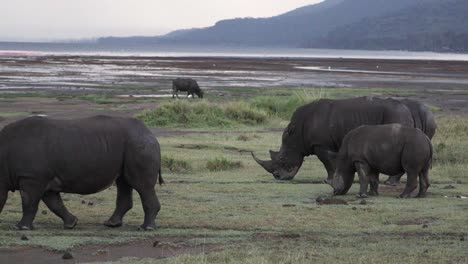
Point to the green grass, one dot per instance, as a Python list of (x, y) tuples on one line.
[(252, 218), (450, 144), (13, 114)]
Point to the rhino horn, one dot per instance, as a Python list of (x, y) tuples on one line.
[(266, 164), (273, 154)]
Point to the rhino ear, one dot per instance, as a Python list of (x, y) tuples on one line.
[(290, 129), (274, 154)]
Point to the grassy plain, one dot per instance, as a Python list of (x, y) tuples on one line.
[(251, 218)]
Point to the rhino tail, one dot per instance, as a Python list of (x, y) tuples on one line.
[(160, 179), (431, 152)]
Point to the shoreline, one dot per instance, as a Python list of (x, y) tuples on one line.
[(70, 49)]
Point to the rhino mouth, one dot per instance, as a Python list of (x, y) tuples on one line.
[(337, 184), (286, 175)]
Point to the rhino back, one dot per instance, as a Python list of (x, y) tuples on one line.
[(387, 148), (326, 122), (83, 155), (423, 117), (185, 84)]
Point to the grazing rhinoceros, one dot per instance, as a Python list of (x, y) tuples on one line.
[(318, 129), (423, 119), (390, 149), (43, 157), (186, 85)]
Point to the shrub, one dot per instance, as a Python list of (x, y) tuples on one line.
[(201, 114), (222, 164), (283, 107), (175, 165), (245, 114)]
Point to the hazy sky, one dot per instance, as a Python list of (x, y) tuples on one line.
[(73, 19)]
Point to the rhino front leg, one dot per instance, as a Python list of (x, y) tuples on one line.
[(328, 160), (363, 171), (30, 196), (374, 183), (123, 204), (55, 204)]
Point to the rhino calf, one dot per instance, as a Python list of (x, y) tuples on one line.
[(390, 149), (186, 85)]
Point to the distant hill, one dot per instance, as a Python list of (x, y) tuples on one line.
[(357, 24), (438, 26)]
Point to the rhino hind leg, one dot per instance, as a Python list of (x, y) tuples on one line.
[(151, 207), (55, 204), (144, 181), (423, 183), (124, 203), (411, 184)]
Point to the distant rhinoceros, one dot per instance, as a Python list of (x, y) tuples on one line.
[(390, 149), (186, 85), (43, 157), (318, 128)]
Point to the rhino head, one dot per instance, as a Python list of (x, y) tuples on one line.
[(285, 163)]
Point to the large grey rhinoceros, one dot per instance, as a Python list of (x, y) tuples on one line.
[(318, 128), (390, 149), (43, 157)]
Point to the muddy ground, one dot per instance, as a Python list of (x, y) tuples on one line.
[(160, 247), (442, 84), (439, 83)]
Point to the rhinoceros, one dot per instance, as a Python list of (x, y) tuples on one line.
[(43, 157), (423, 118), (389, 149), (186, 85), (318, 128)]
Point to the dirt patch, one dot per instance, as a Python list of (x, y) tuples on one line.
[(449, 187), (418, 221), (392, 190), (238, 149), (158, 247), (330, 201), (192, 146), (276, 236)]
